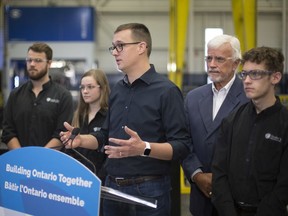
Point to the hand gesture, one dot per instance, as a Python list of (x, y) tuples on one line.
[(125, 148)]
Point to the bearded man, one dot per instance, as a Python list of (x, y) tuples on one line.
[(35, 111)]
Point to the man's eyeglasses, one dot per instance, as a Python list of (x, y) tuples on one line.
[(218, 59), (88, 87), (119, 46), (254, 74), (35, 60)]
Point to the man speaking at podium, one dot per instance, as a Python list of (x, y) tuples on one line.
[(35, 111), (145, 126)]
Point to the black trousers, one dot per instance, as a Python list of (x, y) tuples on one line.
[(244, 213), (245, 209)]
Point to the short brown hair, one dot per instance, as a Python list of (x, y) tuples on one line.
[(42, 47), (139, 32)]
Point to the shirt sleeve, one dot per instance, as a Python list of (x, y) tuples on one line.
[(191, 164), (8, 124), (175, 123), (102, 135)]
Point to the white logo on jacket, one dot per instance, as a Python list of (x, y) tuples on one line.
[(51, 100), (271, 137)]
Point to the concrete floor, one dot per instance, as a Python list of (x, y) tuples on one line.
[(185, 205)]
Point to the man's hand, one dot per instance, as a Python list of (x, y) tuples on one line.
[(204, 183), (125, 148)]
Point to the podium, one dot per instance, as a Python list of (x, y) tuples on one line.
[(41, 181), (111, 194)]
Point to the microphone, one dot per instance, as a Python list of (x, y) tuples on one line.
[(74, 133)]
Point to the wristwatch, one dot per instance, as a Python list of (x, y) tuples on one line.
[(147, 149)]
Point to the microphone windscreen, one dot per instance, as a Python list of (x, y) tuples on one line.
[(75, 131)]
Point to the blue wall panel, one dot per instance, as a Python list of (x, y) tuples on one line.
[(50, 23)]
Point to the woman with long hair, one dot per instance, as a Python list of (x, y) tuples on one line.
[(90, 115)]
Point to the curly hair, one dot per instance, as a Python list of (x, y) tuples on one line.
[(272, 58)]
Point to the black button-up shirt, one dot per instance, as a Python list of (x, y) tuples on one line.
[(251, 161), (36, 120), (153, 107)]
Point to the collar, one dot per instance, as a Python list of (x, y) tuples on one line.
[(146, 77), (226, 87), (44, 86), (269, 110), (103, 112)]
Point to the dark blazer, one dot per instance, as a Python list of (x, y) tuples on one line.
[(198, 107)]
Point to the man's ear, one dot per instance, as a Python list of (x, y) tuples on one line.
[(237, 64), (276, 77), (142, 47)]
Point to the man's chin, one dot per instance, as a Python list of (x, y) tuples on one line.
[(215, 79), (35, 78)]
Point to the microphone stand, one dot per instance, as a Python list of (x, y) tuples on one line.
[(85, 158), (74, 133)]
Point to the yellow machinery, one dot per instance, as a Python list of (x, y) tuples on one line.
[(245, 22)]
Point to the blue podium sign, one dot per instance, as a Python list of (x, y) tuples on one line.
[(41, 181)]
